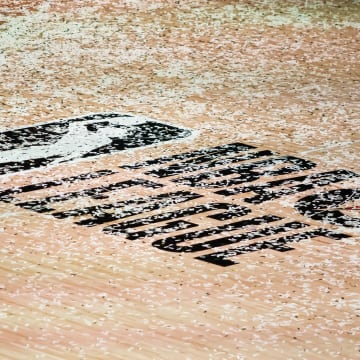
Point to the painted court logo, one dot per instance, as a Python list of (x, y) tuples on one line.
[(84, 137), (214, 204)]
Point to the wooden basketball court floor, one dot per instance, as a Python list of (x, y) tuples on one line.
[(230, 230)]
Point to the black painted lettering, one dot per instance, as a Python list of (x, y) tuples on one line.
[(247, 172), (211, 153), (124, 209), (171, 243), (8, 194), (202, 163), (41, 205), (231, 211), (223, 258), (289, 186), (331, 207), (169, 227)]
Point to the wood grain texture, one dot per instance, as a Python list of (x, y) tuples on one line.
[(278, 76)]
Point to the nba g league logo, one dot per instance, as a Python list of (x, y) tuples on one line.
[(241, 176), (79, 138)]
